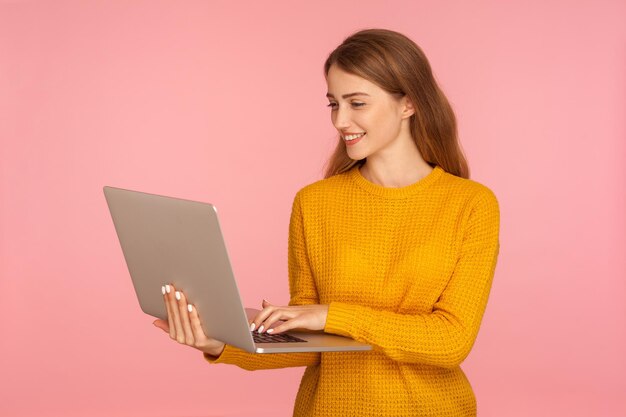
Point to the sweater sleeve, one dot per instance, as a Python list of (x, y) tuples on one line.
[(302, 291), (445, 336)]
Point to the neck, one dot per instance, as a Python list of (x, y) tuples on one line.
[(395, 172)]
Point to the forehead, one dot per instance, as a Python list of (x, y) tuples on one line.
[(340, 82)]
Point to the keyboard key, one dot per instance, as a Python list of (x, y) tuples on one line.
[(274, 338)]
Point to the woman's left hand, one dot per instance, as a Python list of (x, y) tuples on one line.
[(310, 317)]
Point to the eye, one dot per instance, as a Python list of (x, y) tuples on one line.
[(354, 104)]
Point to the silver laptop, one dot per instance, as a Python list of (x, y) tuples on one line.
[(171, 240)]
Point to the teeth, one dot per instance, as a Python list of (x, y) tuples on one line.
[(352, 137)]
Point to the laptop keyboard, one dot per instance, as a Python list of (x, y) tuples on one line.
[(274, 338)]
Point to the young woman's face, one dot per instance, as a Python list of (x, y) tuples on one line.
[(369, 119)]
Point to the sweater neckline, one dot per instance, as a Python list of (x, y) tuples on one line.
[(391, 192)]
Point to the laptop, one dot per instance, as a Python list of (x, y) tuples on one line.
[(171, 240)]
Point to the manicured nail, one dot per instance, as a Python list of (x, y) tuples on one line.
[(163, 290), (252, 326), (261, 329), (189, 308), (167, 289), (266, 301), (270, 330), (178, 295)]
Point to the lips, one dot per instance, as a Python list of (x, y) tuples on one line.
[(352, 136), (351, 142)]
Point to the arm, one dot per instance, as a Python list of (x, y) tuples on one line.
[(302, 291), (445, 336)]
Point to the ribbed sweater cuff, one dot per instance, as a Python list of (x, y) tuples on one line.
[(340, 319), (229, 355)]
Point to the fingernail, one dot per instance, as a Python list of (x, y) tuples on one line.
[(189, 308), (266, 301), (163, 290), (261, 329), (270, 330), (252, 326), (178, 295), (167, 289)]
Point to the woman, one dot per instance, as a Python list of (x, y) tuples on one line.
[(395, 248)]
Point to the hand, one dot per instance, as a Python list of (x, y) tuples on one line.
[(311, 317), (184, 325)]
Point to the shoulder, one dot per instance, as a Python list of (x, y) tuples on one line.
[(469, 191)]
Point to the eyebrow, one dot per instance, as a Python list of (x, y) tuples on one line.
[(348, 95)]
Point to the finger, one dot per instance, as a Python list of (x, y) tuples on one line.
[(261, 317), (178, 326), (288, 325), (255, 323), (198, 332), (184, 315), (279, 314), (162, 324), (170, 316)]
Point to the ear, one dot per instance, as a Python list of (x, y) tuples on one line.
[(408, 109)]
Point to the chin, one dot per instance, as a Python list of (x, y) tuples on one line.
[(357, 156)]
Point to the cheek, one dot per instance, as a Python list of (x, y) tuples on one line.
[(389, 123), (375, 123), (365, 120)]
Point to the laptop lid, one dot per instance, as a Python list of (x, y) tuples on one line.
[(172, 240)]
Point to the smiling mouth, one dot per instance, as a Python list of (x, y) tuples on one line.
[(353, 137), (351, 140)]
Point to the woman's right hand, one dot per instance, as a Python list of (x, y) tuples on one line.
[(183, 323)]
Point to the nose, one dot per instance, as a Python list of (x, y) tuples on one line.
[(341, 119)]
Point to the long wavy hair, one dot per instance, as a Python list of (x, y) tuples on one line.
[(397, 65)]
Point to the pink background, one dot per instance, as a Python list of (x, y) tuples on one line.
[(224, 102)]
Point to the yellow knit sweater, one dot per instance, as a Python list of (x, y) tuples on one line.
[(407, 270)]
